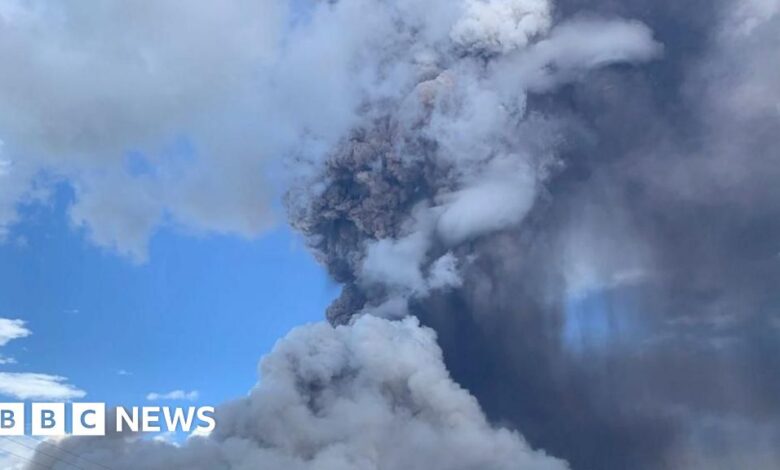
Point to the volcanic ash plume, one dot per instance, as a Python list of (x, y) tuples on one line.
[(374, 394), (586, 217), (457, 156), (579, 198), (441, 151)]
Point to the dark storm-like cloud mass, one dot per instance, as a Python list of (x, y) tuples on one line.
[(629, 321)]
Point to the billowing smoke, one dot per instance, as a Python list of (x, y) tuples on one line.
[(592, 232), (457, 157), (580, 198), (374, 394)]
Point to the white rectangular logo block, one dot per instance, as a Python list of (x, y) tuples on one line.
[(88, 419), (48, 419), (12, 419)]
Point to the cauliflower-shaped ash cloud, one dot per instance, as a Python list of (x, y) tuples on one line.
[(499, 26), (372, 395)]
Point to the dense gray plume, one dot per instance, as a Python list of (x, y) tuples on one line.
[(622, 314), (373, 395)]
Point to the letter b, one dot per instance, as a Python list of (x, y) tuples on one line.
[(48, 419), (8, 419), (11, 419)]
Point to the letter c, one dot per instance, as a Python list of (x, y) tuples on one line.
[(84, 421)]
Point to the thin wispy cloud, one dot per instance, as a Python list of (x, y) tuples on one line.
[(30, 385), (4, 360), (174, 395)]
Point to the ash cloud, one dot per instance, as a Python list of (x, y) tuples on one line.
[(460, 156), (374, 394), (610, 205), (580, 199)]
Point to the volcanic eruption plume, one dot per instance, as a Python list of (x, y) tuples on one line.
[(556, 228)]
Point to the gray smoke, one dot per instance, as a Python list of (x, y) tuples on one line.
[(458, 157), (374, 394), (594, 239), (580, 198)]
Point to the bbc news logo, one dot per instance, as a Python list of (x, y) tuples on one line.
[(89, 419)]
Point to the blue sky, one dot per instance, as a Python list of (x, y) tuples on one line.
[(196, 316)]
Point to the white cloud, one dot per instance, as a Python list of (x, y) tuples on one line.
[(173, 395), (11, 330), (27, 385), (88, 84)]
